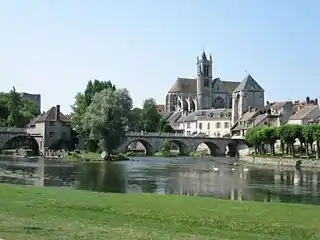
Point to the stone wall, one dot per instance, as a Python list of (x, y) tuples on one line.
[(291, 162)]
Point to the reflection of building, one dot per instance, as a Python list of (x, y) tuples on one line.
[(36, 98), (52, 125)]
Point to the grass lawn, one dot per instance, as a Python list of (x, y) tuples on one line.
[(49, 213)]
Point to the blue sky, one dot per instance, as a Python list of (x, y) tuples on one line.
[(55, 47)]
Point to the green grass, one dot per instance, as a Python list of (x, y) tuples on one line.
[(49, 213)]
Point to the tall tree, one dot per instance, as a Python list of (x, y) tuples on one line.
[(82, 102), (150, 116), (107, 118)]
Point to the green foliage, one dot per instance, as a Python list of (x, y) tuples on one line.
[(287, 133), (80, 107), (166, 146), (148, 119), (165, 127), (16, 111), (107, 117)]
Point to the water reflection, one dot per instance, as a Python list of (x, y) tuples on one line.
[(181, 176)]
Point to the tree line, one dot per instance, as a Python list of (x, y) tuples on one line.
[(16, 111), (287, 134), (102, 115)]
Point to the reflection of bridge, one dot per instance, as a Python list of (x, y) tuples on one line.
[(8, 135), (152, 141)]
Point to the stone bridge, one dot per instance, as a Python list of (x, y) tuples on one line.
[(8, 135), (153, 142)]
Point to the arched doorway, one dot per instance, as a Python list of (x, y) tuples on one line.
[(140, 146), (174, 146), (208, 147), (22, 142)]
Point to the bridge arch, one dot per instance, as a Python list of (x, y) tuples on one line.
[(148, 147), (182, 147), (211, 147), (22, 141)]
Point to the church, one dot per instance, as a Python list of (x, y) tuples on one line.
[(205, 93)]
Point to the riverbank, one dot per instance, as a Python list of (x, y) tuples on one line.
[(280, 161), (51, 213)]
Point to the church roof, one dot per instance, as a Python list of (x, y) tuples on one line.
[(184, 85), (248, 83), (189, 85), (230, 86)]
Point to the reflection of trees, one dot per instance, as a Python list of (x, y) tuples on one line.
[(102, 177)]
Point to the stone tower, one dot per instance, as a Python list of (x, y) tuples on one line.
[(204, 82), (248, 94)]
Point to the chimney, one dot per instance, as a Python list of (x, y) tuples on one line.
[(316, 100), (308, 100), (57, 117)]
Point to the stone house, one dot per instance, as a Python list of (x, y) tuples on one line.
[(53, 125), (273, 114)]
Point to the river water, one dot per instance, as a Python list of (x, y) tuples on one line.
[(224, 178)]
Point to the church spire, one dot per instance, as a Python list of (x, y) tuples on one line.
[(204, 56)]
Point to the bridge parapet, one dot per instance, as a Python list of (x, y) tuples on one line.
[(12, 130), (170, 135)]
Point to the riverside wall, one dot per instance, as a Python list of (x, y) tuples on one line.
[(289, 162)]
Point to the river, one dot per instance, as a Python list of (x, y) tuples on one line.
[(224, 178)]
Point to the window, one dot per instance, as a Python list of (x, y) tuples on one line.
[(51, 123), (200, 125), (208, 126), (188, 125), (226, 125), (206, 83), (51, 134), (218, 125)]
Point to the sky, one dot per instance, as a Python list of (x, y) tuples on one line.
[(55, 47)]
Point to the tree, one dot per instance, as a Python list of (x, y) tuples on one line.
[(82, 102), (164, 126), (254, 138), (308, 136), (135, 124), (16, 111), (150, 116), (269, 136), (288, 133), (107, 117)]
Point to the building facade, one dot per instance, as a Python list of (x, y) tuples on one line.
[(53, 125), (189, 98)]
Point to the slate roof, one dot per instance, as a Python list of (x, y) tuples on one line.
[(184, 85), (248, 83), (279, 105), (307, 112), (189, 85), (212, 114), (49, 116)]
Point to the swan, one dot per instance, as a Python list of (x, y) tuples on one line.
[(246, 169), (233, 169), (235, 164)]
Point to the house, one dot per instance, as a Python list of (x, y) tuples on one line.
[(53, 125), (213, 122), (273, 114), (306, 115)]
